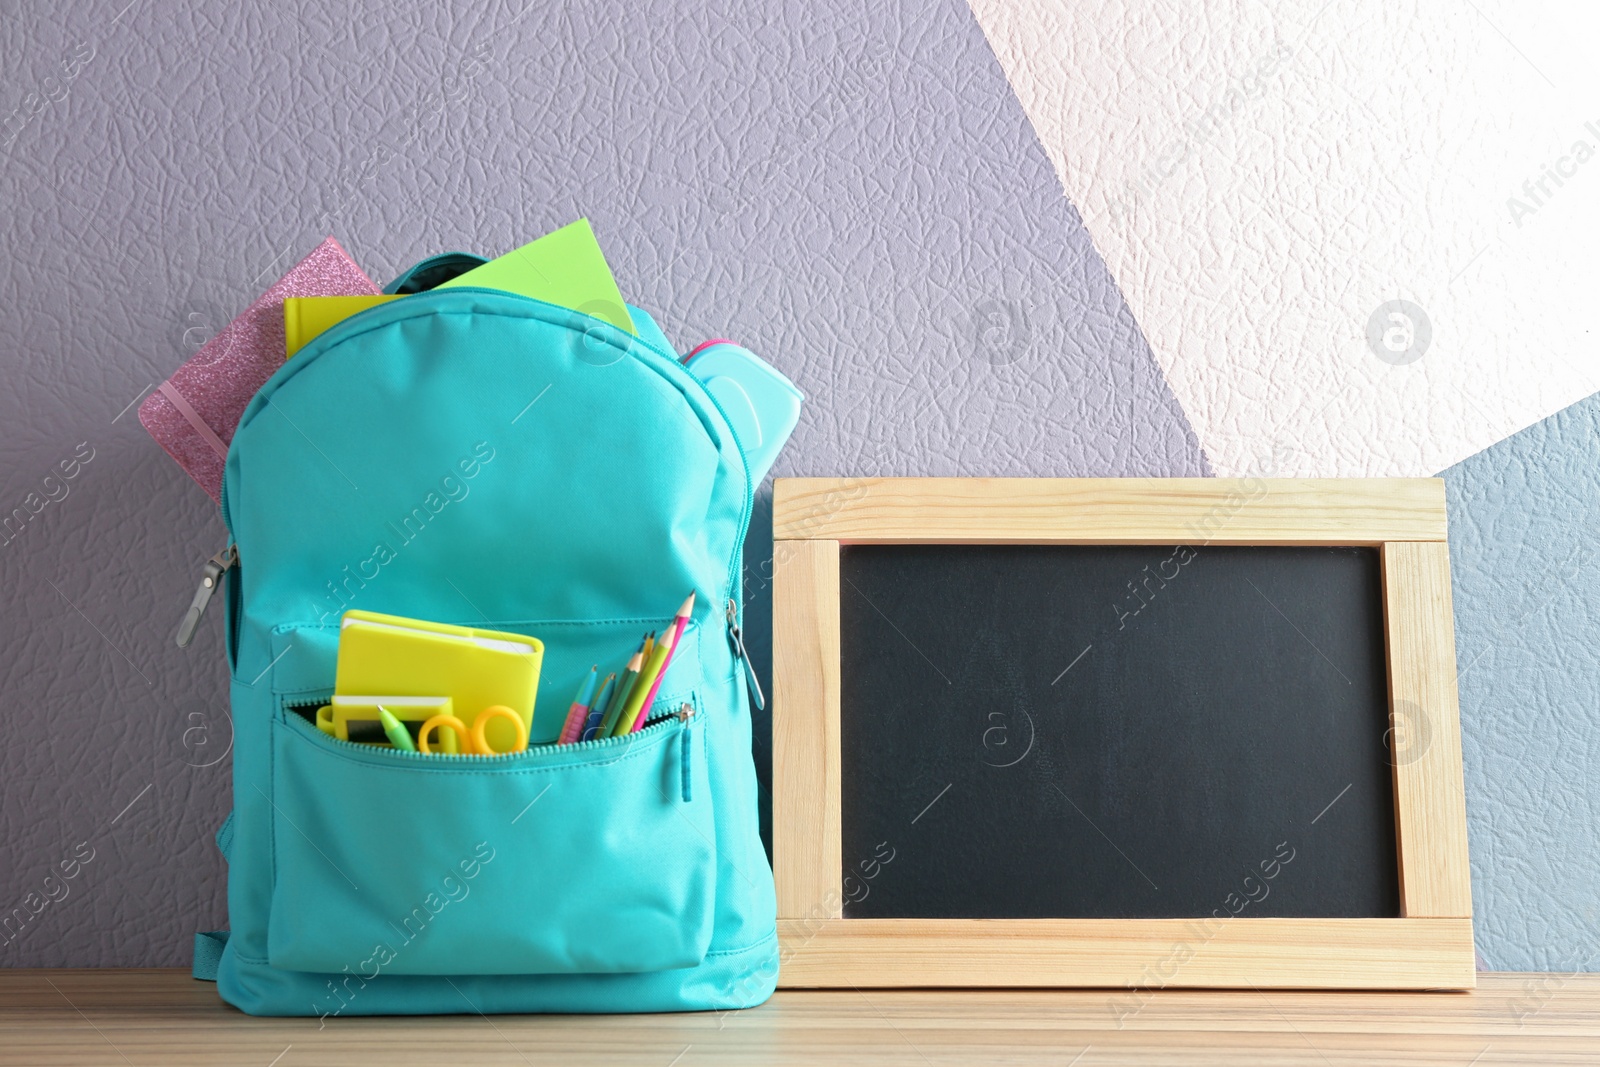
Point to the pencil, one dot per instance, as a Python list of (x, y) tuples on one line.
[(579, 712), (619, 695), (638, 707), (680, 623), (598, 709)]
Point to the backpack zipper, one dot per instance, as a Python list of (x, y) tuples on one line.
[(210, 578), (737, 636), (684, 713), (684, 716)]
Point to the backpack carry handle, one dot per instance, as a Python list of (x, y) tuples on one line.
[(434, 271)]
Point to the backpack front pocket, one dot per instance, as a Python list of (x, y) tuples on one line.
[(595, 857)]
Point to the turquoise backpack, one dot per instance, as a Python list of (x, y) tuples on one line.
[(472, 456)]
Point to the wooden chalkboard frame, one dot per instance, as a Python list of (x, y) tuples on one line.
[(1429, 947)]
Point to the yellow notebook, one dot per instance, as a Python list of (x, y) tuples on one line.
[(474, 668), (304, 317)]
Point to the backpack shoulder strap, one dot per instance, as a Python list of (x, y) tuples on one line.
[(208, 946)]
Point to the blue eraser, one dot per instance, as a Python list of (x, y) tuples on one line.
[(762, 404)]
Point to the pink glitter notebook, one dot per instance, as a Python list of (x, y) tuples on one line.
[(193, 413)]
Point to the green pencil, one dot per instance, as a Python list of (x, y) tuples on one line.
[(641, 688), (619, 695)]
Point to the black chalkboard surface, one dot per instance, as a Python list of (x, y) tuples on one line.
[(1114, 732)]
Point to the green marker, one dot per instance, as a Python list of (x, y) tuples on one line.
[(398, 737)]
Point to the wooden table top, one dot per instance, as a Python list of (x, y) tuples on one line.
[(137, 1017)]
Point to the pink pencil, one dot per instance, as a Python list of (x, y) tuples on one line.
[(672, 650)]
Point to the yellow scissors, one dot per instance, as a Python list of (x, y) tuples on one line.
[(476, 743)]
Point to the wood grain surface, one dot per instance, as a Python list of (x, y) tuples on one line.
[(1109, 511), (90, 1018)]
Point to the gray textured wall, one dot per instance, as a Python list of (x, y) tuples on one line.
[(856, 196)]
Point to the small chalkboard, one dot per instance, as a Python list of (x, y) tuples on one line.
[(1117, 732), (1121, 731)]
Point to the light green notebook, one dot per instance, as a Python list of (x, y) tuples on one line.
[(565, 268)]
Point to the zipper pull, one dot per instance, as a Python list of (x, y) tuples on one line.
[(216, 566), (686, 790), (738, 647)]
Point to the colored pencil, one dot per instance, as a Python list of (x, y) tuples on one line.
[(637, 710), (633, 710), (597, 710), (678, 626), (619, 695), (579, 712)]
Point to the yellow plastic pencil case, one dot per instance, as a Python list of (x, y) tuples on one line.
[(475, 668)]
